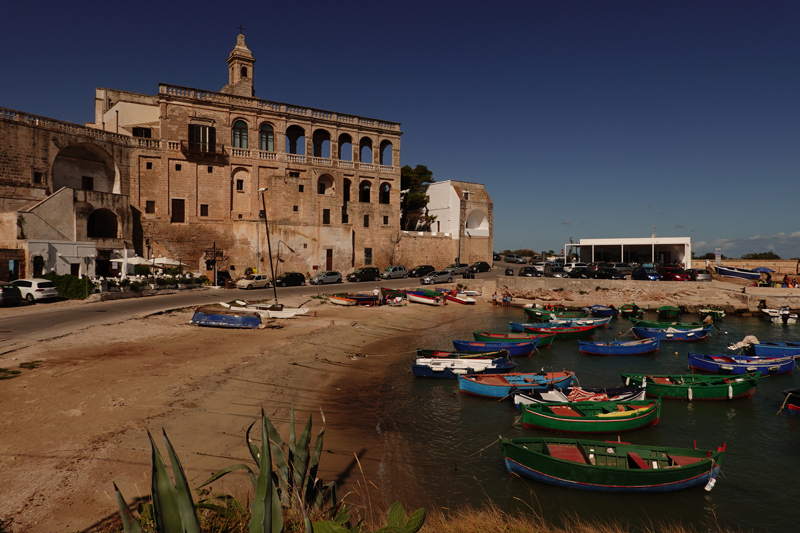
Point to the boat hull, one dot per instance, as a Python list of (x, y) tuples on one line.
[(579, 394), (502, 386), (566, 333), (441, 354), (693, 387), (570, 468), (524, 349), (671, 334), (776, 349), (723, 364), (638, 347), (542, 341), (209, 318), (592, 417), (437, 301), (733, 272), (452, 368)]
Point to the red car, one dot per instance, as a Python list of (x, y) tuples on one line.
[(673, 274)]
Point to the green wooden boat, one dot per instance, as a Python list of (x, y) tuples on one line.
[(592, 417), (545, 339), (544, 314), (694, 386), (661, 324), (715, 314), (665, 312), (611, 466), (630, 311)]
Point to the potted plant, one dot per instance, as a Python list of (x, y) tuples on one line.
[(136, 286), (171, 283), (161, 283), (112, 285), (124, 284), (204, 280)]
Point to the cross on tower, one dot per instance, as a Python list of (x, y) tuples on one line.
[(241, 30)]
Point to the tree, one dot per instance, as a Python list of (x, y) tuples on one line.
[(413, 206), (762, 255)]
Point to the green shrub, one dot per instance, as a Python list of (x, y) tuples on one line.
[(161, 282), (72, 287), (112, 283), (124, 282), (136, 286)]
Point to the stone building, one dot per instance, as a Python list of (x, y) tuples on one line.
[(186, 172)]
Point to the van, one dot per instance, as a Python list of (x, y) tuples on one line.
[(394, 271)]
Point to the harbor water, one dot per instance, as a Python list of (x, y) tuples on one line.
[(442, 446)]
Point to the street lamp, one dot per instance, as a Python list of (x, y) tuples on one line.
[(269, 246)]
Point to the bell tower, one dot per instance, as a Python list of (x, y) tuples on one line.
[(240, 70)]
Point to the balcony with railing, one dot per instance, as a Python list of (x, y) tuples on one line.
[(202, 148)]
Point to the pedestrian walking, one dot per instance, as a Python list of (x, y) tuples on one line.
[(494, 299)]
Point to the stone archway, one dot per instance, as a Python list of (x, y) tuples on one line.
[(86, 167)]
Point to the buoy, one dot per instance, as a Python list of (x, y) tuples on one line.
[(627, 381), (710, 484), (689, 394), (730, 392)]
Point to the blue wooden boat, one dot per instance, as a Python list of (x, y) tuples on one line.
[(603, 310), (672, 334), (733, 272), (775, 349), (223, 318), (515, 349), (502, 385), (520, 326), (741, 364), (452, 368), (637, 347)]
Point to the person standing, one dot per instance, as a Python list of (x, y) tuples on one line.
[(376, 296), (494, 299)]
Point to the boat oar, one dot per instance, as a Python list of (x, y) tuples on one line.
[(784, 403)]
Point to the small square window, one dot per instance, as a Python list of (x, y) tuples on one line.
[(295, 209), (203, 210), (38, 177), (366, 221), (210, 170), (239, 185), (87, 183), (385, 221), (149, 165), (294, 174), (240, 215), (177, 166), (150, 206), (305, 245), (301, 188)]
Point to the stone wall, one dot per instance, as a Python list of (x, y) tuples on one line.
[(417, 248)]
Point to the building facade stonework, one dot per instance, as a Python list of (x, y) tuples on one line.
[(187, 171)]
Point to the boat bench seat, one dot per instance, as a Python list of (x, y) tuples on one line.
[(638, 461), (682, 460), (567, 453), (563, 410)]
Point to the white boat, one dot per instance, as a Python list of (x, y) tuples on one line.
[(267, 311), (461, 298), (783, 315), (338, 300), (451, 368), (439, 300)]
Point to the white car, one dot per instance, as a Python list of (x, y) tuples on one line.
[(253, 281), (326, 277), (569, 266), (36, 288)]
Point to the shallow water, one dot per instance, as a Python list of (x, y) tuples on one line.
[(442, 447)]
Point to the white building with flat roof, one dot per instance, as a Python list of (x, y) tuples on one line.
[(662, 250)]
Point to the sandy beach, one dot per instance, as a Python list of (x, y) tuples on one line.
[(77, 421)]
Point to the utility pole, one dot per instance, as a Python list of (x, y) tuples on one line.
[(214, 258), (269, 246)]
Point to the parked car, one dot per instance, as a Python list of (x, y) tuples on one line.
[(496, 256), (457, 268), (36, 289), (480, 266), (699, 274), (420, 271), (439, 276), (514, 258), (646, 273), (365, 274), (608, 273), (625, 268), (673, 274), (540, 266), (394, 271), (529, 272), (289, 279), (9, 294), (592, 267), (581, 273), (555, 270), (253, 281), (326, 277), (573, 264)]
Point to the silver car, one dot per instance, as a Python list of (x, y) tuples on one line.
[(459, 268), (440, 276), (326, 277), (699, 274)]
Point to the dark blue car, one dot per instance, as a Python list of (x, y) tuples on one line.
[(646, 273)]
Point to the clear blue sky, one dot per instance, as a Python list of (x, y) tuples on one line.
[(583, 119)]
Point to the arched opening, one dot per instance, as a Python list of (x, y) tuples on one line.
[(386, 153), (241, 190), (325, 185), (102, 224), (295, 140), (266, 138), (244, 72), (322, 143), (363, 191), (365, 151), (240, 134), (87, 167), (385, 193), (345, 147), (477, 224)]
